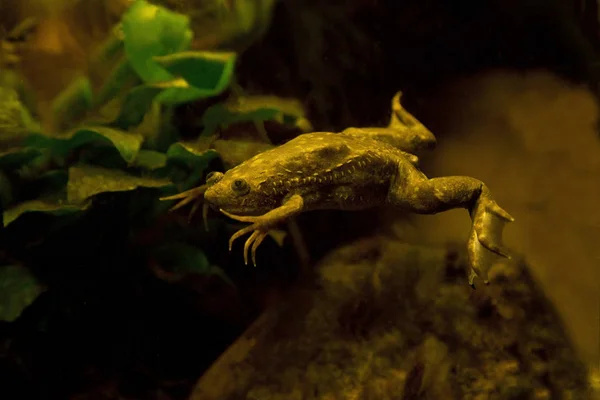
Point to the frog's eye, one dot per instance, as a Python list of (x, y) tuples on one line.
[(240, 187), (213, 177)]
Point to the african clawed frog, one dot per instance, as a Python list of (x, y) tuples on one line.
[(355, 169)]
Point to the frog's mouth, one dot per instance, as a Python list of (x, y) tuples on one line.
[(241, 211), (206, 207), (219, 199), (238, 209)]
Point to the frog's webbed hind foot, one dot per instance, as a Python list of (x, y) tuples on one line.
[(431, 196), (489, 220), (419, 137)]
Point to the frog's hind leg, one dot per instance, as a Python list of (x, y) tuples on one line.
[(418, 194), (404, 131)]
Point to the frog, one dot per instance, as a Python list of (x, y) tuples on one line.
[(356, 169)]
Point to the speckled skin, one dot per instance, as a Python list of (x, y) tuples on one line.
[(329, 171), (357, 168)]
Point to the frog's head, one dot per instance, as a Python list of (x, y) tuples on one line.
[(236, 193)]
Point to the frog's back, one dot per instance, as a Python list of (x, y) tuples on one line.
[(323, 158), (329, 150)]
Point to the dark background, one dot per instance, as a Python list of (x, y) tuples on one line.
[(364, 51)]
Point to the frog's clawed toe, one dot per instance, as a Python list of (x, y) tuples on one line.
[(492, 208), (186, 197), (472, 276), (193, 195), (259, 233), (252, 244), (489, 220), (397, 101)]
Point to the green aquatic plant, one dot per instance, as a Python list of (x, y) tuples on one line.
[(119, 138)]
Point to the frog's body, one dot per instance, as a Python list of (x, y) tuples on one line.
[(355, 169), (329, 171)]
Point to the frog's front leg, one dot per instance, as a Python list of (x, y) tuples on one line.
[(262, 224), (404, 131), (195, 195), (412, 190)]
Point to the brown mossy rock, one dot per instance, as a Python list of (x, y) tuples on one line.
[(391, 321)]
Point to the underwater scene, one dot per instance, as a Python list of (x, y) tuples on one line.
[(300, 199)]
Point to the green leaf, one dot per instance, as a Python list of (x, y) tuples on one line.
[(193, 159), (121, 76), (210, 72), (193, 76), (35, 166), (187, 154), (18, 156), (151, 31), (72, 103), (18, 289), (150, 160), (140, 100), (218, 271), (40, 206), (220, 116), (37, 185), (15, 119), (256, 109), (180, 257), (235, 152), (180, 95), (6, 191), (128, 144), (287, 107), (53, 181), (136, 104), (112, 46), (86, 181)]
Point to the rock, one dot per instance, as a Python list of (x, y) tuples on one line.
[(369, 330)]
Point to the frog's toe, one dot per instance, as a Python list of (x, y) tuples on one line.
[(485, 240), (472, 276), (252, 243), (205, 208), (240, 218), (480, 259), (489, 243), (239, 234), (488, 223), (397, 101), (254, 240), (494, 208), (186, 197)]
